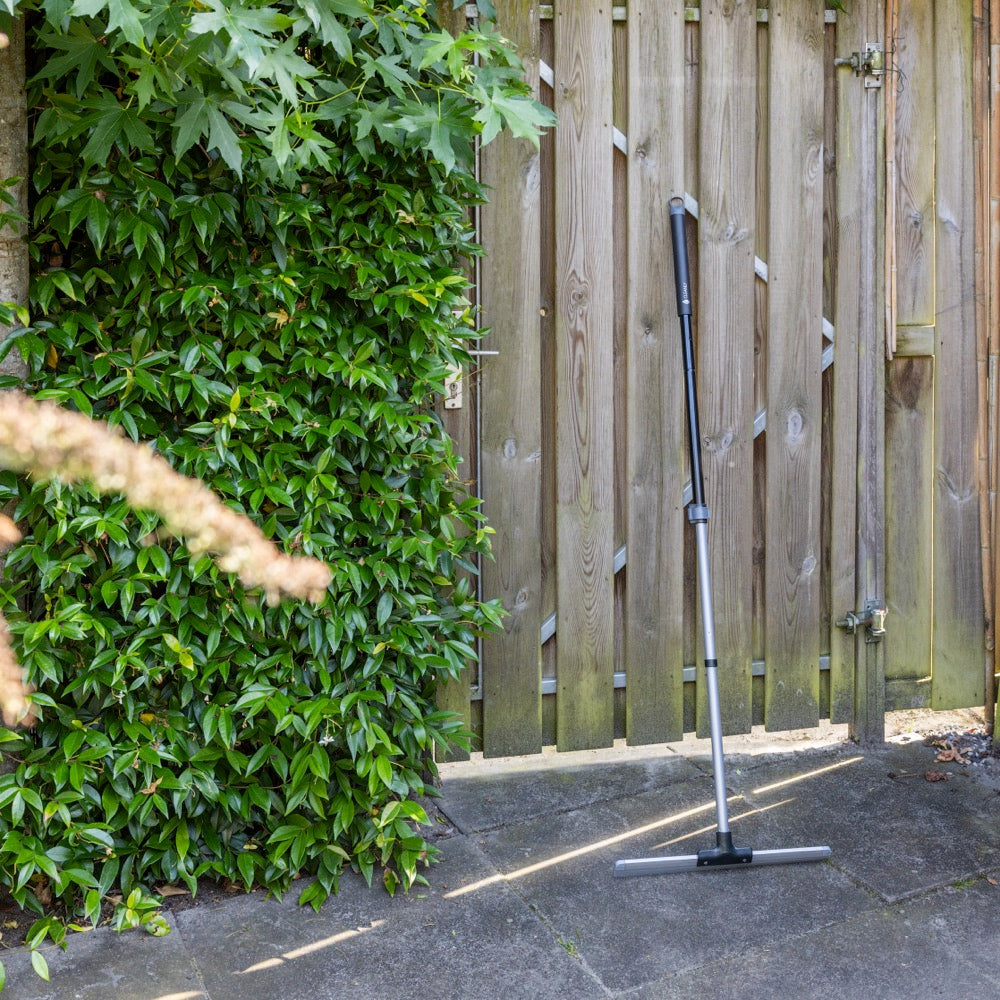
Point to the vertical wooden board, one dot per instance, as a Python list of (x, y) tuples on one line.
[(909, 475), (454, 694), (620, 396), (725, 307), (869, 718), (547, 334), (993, 325), (959, 637), (511, 449), (847, 318), (830, 169), (619, 167), (794, 391), (981, 154), (655, 413), (692, 102), (584, 359), (914, 81), (762, 195), (760, 357)]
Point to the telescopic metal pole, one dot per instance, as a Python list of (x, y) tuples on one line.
[(724, 854)]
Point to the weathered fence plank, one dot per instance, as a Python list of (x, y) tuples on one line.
[(584, 358), (725, 315), (847, 317), (915, 164), (910, 378), (909, 445), (958, 632), (654, 618), (511, 446), (794, 389)]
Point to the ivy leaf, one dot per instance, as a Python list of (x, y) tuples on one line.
[(114, 122), (222, 138), (440, 45), (81, 53), (321, 15), (191, 123), (288, 69), (439, 143), (523, 117), (124, 17), (251, 30)]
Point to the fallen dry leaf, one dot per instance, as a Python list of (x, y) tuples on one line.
[(936, 776), (172, 890), (992, 881)]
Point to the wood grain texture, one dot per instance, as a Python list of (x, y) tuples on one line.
[(655, 413), (868, 724), (914, 81), (725, 334), (850, 229), (993, 293), (909, 448), (584, 360), (511, 448), (958, 615), (794, 389)]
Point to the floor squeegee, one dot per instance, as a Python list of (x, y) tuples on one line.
[(724, 854)]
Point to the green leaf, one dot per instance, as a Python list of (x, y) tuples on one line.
[(224, 140), (114, 123), (122, 16), (383, 768), (39, 964), (191, 122), (182, 840), (384, 609)]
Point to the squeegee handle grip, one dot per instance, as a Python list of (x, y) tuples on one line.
[(682, 276)]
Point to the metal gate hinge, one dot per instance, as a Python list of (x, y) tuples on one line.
[(870, 64), (872, 618)]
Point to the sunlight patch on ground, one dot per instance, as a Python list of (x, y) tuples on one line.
[(308, 949), (803, 777)]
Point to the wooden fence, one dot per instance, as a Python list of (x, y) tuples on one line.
[(834, 476)]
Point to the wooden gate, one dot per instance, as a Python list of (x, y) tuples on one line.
[(837, 481)]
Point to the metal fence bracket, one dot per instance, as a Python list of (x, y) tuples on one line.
[(870, 64), (872, 618)]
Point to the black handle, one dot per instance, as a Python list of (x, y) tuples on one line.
[(681, 275)]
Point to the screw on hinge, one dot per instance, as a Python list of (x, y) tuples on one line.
[(872, 618)]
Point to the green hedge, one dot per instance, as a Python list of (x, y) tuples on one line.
[(280, 328)]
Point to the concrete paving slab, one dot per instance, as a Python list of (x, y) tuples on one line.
[(103, 965), (632, 930), (945, 946), (898, 836), (492, 793), (478, 945)]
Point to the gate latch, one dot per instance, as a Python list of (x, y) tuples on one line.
[(870, 64), (872, 618)]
